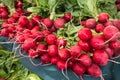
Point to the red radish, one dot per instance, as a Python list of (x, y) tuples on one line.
[(103, 17), (109, 51), (61, 65), (79, 69), (116, 23), (68, 16), (100, 57), (97, 42), (45, 58), (32, 53), (85, 60), (11, 20), (59, 23), (38, 35), (36, 19), (15, 15), (3, 8), (75, 51), (118, 7), (70, 63), (114, 44), (20, 38), (99, 28), (19, 28), (11, 28), (117, 1), (108, 23), (11, 35), (5, 25), (83, 22), (51, 39), (111, 32), (53, 50), (35, 28), (19, 4), (41, 48), (28, 44), (94, 70), (90, 23), (47, 22), (85, 34), (20, 11), (85, 46), (54, 60), (30, 25), (64, 54), (4, 15), (46, 32), (4, 32), (52, 29), (23, 21), (61, 42)]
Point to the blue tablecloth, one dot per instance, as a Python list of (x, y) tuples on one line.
[(110, 72)]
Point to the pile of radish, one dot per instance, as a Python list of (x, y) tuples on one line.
[(98, 40)]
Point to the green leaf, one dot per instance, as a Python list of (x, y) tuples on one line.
[(43, 2), (34, 9), (33, 77), (9, 3), (51, 2)]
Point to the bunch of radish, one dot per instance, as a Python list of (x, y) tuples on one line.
[(98, 41)]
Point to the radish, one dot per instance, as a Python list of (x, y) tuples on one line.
[(99, 28), (59, 23), (116, 23), (61, 42), (20, 11), (52, 29), (11, 28), (97, 42), (75, 51), (41, 48), (4, 32), (85, 60), (51, 39), (53, 50), (23, 21), (103, 17), (79, 69), (83, 22), (20, 38), (36, 19), (11, 35), (19, 4), (117, 1), (32, 53), (94, 70), (5, 25), (90, 23), (28, 44), (67, 16), (45, 58), (47, 22), (61, 65), (11, 20), (15, 15), (118, 7), (38, 36), (85, 34), (35, 28), (114, 44), (46, 32), (4, 15), (108, 23), (30, 25), (100, 57), (54, 60), (111, 32), (109, 51), (84, 45), (64, 54)]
